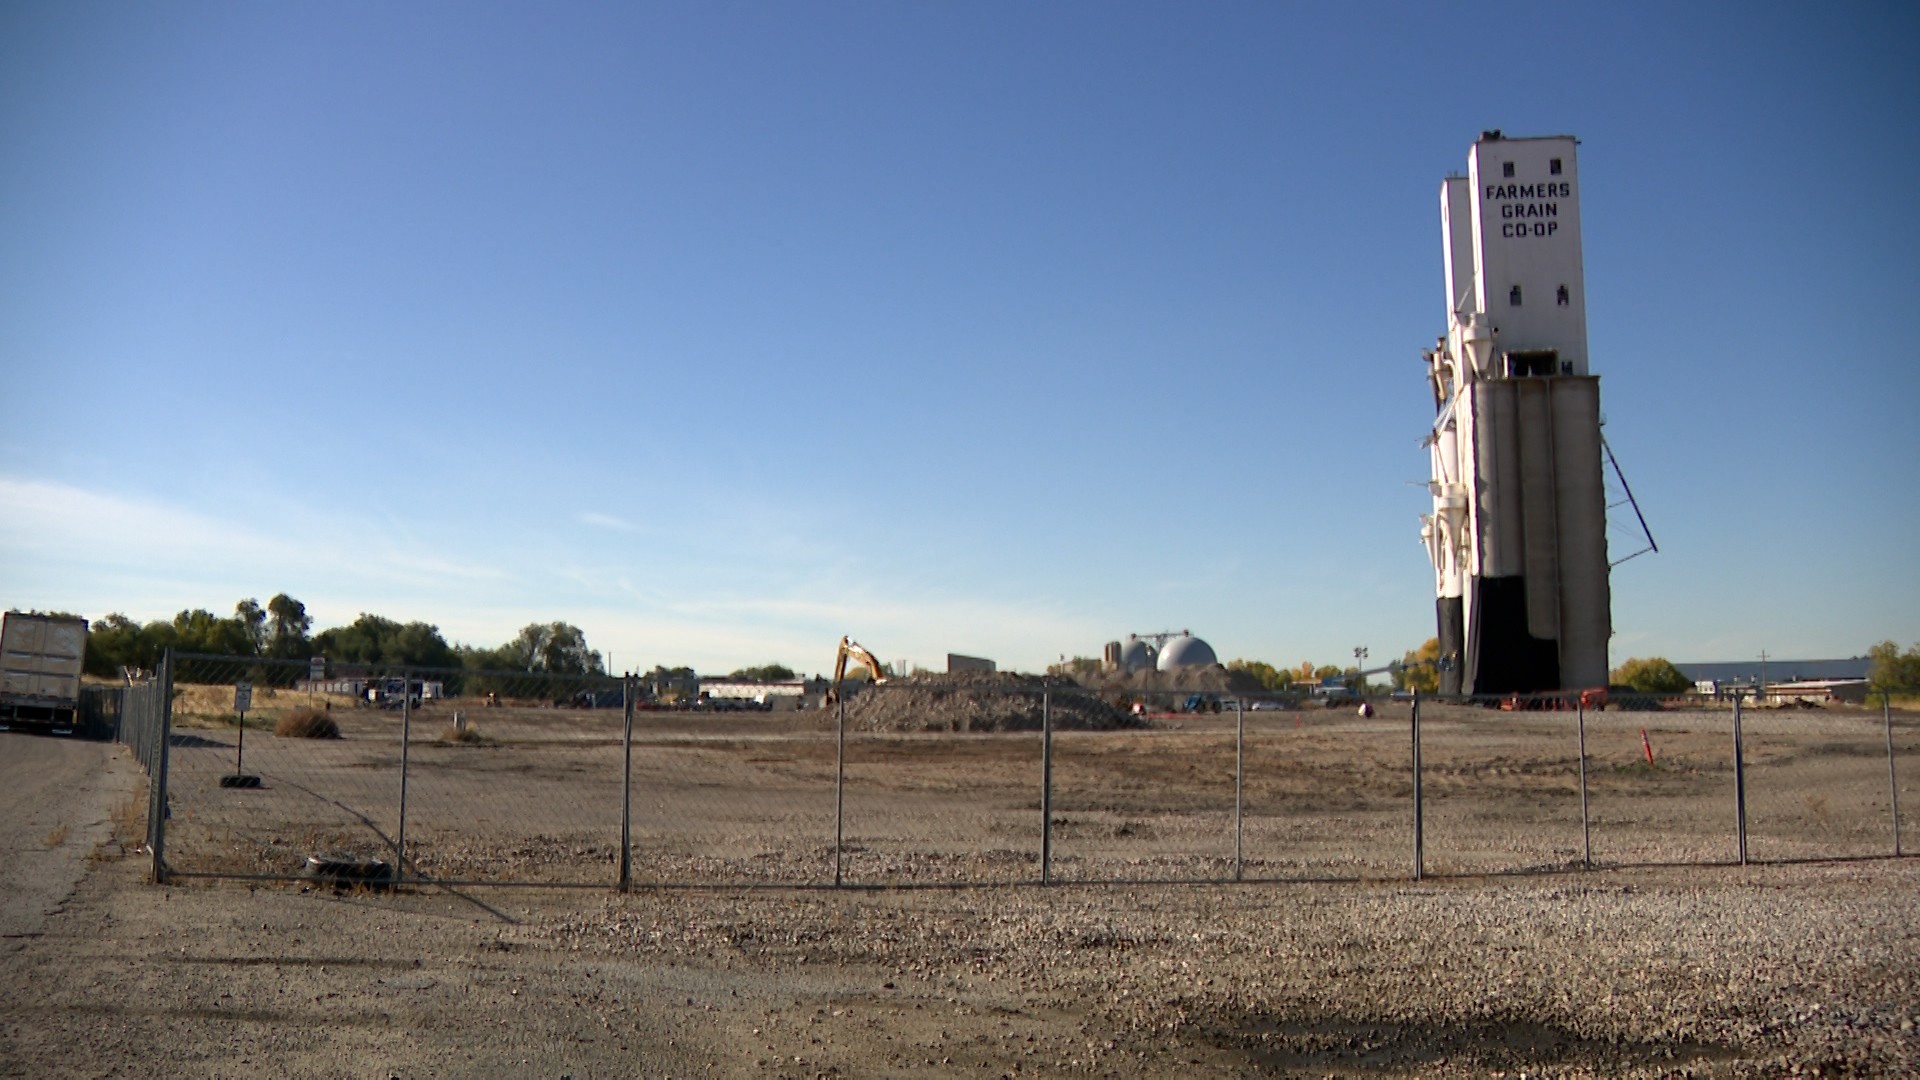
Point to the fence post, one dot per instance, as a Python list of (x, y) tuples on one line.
[(160, 730), (1893, 780), (1419, 822), (626, 786), (1046, 787), (1739, 785), (839, 784), (1586, 822), (1239, 784), (406, 739)]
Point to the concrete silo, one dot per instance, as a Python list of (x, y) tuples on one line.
[(1517, 533), (1186, 651)]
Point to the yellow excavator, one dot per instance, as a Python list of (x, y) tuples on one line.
[(853, 650)]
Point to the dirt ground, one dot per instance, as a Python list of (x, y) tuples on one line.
[(1333, 962), (751, 798)]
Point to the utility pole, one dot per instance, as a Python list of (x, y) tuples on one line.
[(1761, 690)]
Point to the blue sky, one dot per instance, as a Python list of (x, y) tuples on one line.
[(722, 330)]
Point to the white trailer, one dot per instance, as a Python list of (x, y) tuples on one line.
[(40, 661)]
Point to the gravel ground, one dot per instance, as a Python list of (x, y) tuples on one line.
[(1807, 968), (1762, 971), (1722, 972)]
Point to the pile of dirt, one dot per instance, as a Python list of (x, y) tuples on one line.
[(982, 701), (1214, 678)]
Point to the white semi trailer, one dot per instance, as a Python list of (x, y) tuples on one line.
[(40, 661)]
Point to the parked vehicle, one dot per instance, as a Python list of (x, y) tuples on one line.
[(1331, 694), (395, 693), (40, 661)]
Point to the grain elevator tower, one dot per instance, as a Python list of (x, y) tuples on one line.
[(1518, 533)]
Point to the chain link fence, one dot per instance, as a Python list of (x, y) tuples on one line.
[(265, 769)]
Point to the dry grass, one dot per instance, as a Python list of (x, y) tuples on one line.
[(129, 831), (130, 818), (57, 837), (209, 706), (306, 723)]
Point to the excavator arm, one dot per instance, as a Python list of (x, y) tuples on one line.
[(853, 650)]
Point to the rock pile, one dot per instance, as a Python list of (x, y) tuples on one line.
[(982, 701), (1214, 678)]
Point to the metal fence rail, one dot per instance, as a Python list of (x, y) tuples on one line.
[(505, 778)]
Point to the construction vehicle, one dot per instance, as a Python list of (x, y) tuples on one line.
[(853, 650), (40, 661)]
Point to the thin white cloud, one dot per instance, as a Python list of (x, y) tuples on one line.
[(98, 551), (50, 532), (607, 521)]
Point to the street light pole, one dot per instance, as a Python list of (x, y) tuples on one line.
[(1359, 665)]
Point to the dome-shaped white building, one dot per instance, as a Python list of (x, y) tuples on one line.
[(1186, 651), (1137, 655)]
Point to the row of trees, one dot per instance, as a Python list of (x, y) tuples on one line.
[(1418, 670), (278, 631), (282, 631)]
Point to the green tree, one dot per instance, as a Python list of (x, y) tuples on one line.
[(1654, 675), (1270, 677), (419, 644), (373, 639), (1891, 671), (251, 619), (1416, 670), (116, 642), (358, 642), (113, 642), (556, 648), (473, 658), (201, 631), (287, 626), (1074, 668), (765, 673)]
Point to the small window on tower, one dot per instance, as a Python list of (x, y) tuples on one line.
[(1506, 168), (1562, 296), (1554, 166), (1513, 296)]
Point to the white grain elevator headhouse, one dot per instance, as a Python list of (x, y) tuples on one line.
[(1518, 532)]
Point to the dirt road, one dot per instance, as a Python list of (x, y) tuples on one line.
[(56, 800)]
